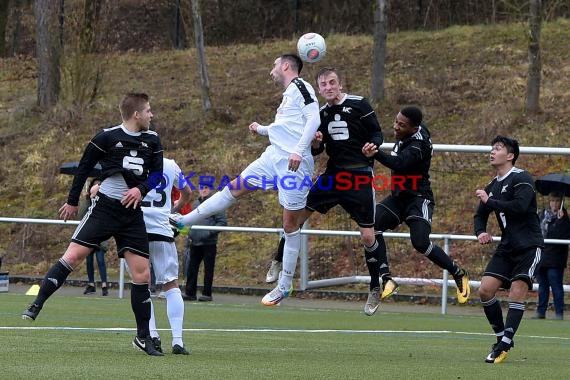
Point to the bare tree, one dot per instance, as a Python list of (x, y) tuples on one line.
[(16, 21), (48, 46), (534, 57), (200, 52), (377, 91), (3, 22), (92, 13)]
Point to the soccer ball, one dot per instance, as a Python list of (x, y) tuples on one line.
[(311, 47)]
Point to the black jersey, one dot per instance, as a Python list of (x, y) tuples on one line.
[(346, 127), (134, 155), (513, 199), (410, 160)]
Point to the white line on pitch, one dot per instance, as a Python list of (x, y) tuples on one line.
[(306, 331)]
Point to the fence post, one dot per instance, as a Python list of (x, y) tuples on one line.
[(121, 277), (304, 258), (445, 276)]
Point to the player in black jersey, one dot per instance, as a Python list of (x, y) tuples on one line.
[(512, 197), (128, 153), (347, 123), (411, 199)]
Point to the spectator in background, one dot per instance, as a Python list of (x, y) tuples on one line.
[(99, 252), (201, 245), (555, 224)]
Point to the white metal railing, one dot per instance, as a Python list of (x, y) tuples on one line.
[(305, 283), (487, 149)]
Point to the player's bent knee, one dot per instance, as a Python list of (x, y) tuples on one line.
[(368, 240), (75, 254), (519, 290), (485, 293), (420, 244)]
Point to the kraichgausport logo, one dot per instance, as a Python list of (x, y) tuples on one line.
[(340, 181)]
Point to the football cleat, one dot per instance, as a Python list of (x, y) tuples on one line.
[(389, 287), (273, 272), (373, 302), (499, 352), (274, 297), (179, 350), (31, 313), (463, 287), (157, 343), (146, 345)]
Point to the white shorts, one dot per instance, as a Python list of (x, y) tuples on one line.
[(164, 260), (270, 171)]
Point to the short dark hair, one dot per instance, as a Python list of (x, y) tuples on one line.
[(133, 101), (325, 71), (414, 115), (512, 145), (294, 60), (206, 185)]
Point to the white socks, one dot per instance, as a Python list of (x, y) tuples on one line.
[(175, 313), (220, 201), (290, 254), (152, 322)]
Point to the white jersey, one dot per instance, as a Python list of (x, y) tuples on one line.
[(157, 203), (296, 120)]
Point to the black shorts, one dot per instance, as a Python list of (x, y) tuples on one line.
[(108, 218), (356, 198), (393, 211), (508, 266)]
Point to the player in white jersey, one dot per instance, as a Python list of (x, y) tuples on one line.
[(157, 206), (286, 164)]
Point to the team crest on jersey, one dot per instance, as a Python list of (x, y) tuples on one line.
[(346, 109), (504, 189), (145, 145)]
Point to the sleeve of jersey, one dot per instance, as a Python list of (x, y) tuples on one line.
[(519, 204), (405, 159), (371, 124), (321, 148), (156, 166), (480, 219), (92, 154), (316, 151), (262, 130), (312, 123)]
